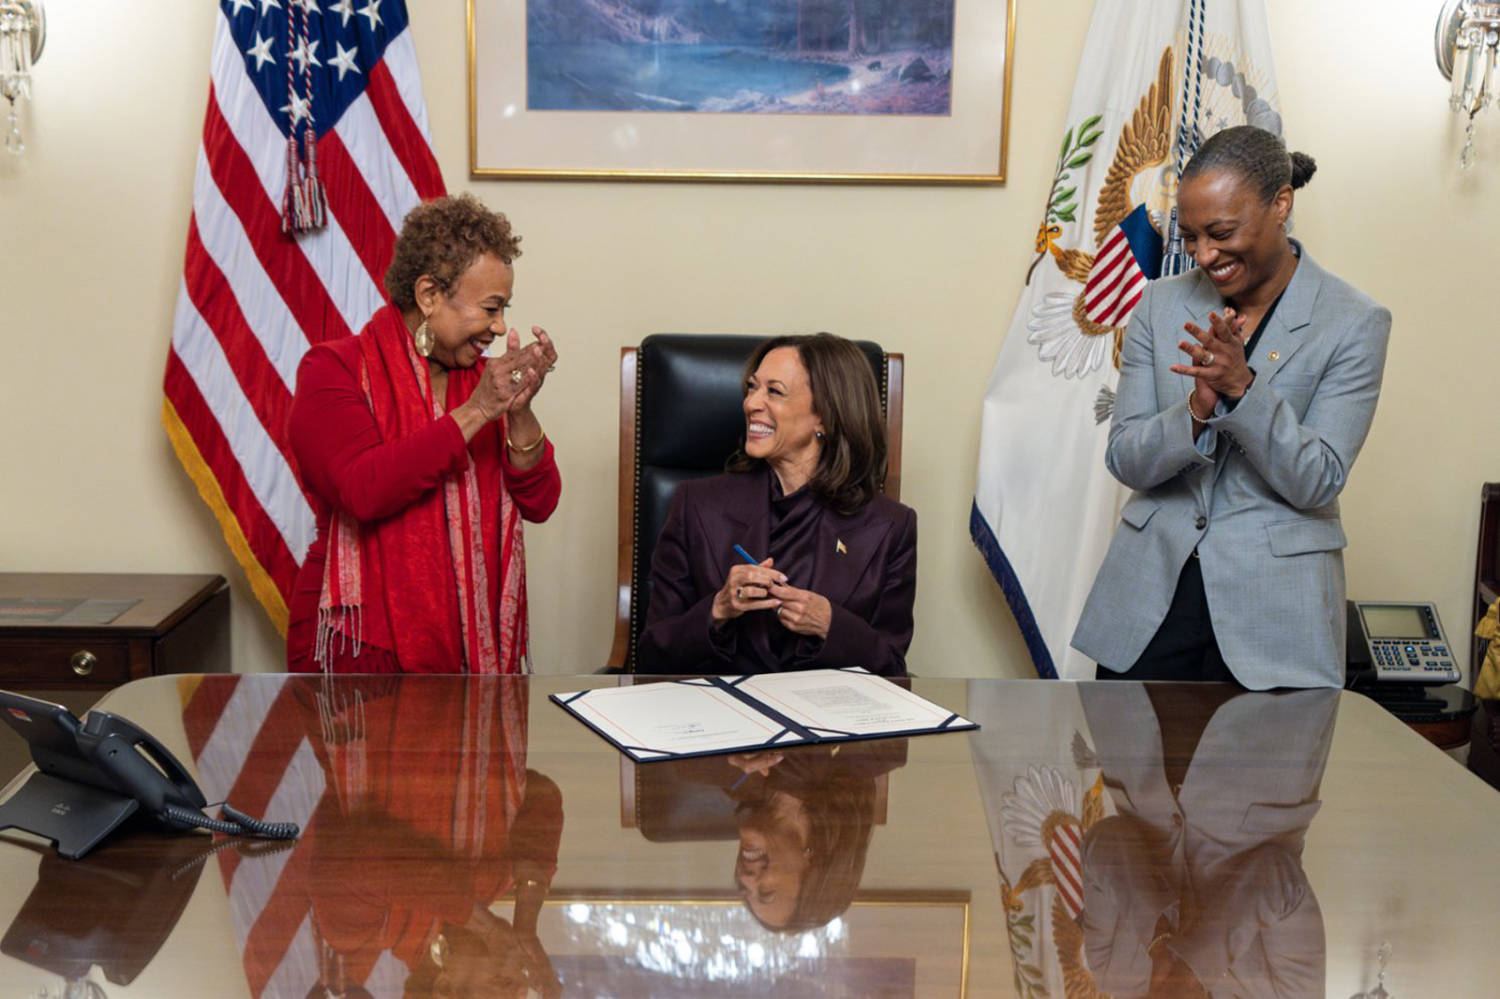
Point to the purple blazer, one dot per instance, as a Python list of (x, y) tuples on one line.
[(865, 564)]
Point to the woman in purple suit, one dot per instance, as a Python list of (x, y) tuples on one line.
[(832, 570)]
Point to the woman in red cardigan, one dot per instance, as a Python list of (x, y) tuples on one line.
[(422, 457)]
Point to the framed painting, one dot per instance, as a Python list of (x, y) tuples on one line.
[(886, 945), (853, 91)]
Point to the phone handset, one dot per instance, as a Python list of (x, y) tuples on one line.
[(120, 749), (165, 791)]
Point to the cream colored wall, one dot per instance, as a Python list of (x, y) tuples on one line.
[(92, 224)]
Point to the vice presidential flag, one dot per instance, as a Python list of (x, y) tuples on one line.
[(315, 145), (1156, 78)]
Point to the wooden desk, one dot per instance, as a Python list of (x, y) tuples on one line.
[(69, 637), (1314, 827), (93, 631)]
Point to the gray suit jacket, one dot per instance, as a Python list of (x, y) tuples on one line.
[(1256, 495)]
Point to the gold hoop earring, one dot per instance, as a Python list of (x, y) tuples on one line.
[(424, 339)]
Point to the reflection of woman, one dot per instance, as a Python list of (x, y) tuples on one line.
[(1227, 563), (410, 849), (838, 567), (804, 817), (422, 459), (804, 832), (1195, 885)]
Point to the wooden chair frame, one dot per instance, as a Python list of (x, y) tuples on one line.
[(1486, 569)]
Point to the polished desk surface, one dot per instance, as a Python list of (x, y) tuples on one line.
[(1077, 845)]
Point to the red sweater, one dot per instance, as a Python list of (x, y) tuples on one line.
[(344, 464)]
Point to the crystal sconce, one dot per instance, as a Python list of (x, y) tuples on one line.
[(23, 31), (1466, 42)]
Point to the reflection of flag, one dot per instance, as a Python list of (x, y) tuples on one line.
[(1154, 79), (1063, 847), (248, 745), (290, 748), (1039, 804), (253, 298)]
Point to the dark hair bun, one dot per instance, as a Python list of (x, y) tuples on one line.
[(1303, 167)]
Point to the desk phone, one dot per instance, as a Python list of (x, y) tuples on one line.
[(1401, 642)]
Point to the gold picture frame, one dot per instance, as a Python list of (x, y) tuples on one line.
[(967, 145)]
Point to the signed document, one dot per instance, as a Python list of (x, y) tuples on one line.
[(697, 717), (846, 702)]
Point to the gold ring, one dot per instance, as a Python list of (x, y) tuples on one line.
[(516, 376)]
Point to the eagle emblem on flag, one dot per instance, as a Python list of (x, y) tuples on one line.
[(1075, 330), (1044, 812)]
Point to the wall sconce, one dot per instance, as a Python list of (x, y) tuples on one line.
[(1467, 41), (23, 32)]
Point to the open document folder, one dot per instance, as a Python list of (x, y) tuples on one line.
[(726, 714)]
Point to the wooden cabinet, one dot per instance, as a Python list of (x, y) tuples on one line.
[(93, 631)]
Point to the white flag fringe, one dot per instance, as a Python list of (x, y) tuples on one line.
[(1156, 78)]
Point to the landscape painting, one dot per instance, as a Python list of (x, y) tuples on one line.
[(845, 57), (779, 91)]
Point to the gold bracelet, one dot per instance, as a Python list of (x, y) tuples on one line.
[(1200, 419), (529, 447)]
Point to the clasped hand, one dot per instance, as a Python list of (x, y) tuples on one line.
[(761, 587), (509, 382), (1218, 365), (756, 763)]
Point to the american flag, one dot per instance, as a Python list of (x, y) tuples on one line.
[(253, 297), (1130, 257)]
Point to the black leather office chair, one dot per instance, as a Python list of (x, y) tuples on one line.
[(680, 419)]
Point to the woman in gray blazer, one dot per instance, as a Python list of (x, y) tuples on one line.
[(1237, 440)]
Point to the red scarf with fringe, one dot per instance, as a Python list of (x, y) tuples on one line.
[(452, 564)]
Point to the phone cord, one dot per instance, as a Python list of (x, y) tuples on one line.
[(238, 824)]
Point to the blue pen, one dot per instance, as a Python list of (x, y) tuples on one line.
[(740, 551)]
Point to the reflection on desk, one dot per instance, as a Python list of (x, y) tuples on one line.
[(1150, 841), (423, 815), (803, 818), (113, 908), (1159, 863)]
